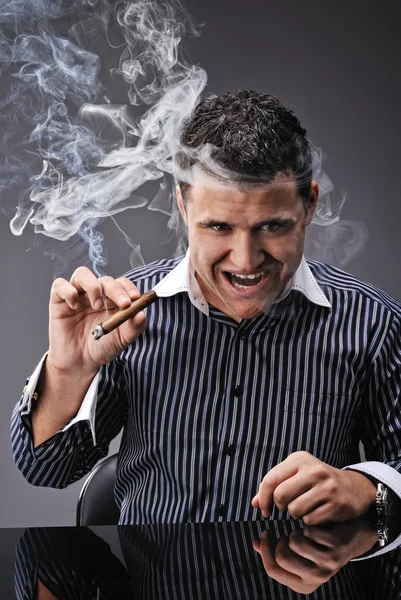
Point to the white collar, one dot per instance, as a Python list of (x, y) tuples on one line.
[(182, 279)]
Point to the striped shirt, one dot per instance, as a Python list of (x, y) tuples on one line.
[(208, 405)]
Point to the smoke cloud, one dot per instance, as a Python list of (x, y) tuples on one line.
[(53, 90), (70, 157)]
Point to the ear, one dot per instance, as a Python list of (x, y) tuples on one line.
[(313, 197), (180, 204)]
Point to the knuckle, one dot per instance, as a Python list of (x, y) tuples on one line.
[(332, 565), (281, 559), (294, 511), (93, 288), (80, 271), (331, 488), (273, 571), (58, 282), (280, 497), (266, 479), (319, 472), (106, 279), (126, 281)]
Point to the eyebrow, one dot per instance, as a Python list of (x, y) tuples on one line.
[(272, 221)]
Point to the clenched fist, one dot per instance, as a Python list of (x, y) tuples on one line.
[(311, 490)]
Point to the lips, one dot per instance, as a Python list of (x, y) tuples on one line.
[(243, 280)]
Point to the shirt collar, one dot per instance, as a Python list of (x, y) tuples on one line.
[(182, 279)]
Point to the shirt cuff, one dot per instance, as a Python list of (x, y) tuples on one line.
[(86, 412), (382, 472)]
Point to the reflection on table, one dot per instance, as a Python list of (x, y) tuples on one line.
[(258, 559)]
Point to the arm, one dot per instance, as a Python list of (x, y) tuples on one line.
[(72, 451), (381, 413), (54, 438), (317, 492)]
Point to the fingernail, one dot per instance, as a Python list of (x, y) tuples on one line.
[(265, 514), (123, 299), (264, 535), (98, 303)]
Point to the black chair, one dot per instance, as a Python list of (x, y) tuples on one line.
[(96, 504)]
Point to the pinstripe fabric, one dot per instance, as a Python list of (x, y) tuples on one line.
[(208, 406)]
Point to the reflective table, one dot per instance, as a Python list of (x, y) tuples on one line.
[(258, 559)]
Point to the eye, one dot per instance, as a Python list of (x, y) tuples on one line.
[(271, 227), (220, 227)]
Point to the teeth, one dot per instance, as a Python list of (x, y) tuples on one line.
[(254, 276)]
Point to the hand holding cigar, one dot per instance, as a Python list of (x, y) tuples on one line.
[(124, 314)]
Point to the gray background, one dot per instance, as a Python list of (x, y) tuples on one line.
[(337, 66)]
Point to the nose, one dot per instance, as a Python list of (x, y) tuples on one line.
[(247, 254)]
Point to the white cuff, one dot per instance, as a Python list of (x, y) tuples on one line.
[(382, 472), (88, 407), (392, 479)]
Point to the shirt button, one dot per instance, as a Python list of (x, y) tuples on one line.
[(243, 335), (230, 450), (221, 510), (238, 391)]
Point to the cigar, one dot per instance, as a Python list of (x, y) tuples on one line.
[(124, 314)]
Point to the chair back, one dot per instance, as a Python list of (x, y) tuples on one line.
[(96, 504)]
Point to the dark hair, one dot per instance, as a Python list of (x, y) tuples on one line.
[(253, 135)]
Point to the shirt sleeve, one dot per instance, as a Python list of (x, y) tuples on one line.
[(86, 411), (380, 429), (74, 450)]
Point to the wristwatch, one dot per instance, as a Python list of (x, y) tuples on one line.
[(381, 500), (387, 505), (382, 531)]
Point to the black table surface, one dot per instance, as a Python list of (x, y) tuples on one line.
[(199, 560)]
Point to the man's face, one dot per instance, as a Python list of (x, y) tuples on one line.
[(245, 244)]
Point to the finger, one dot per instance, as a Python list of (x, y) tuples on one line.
[(324, 537), (273, 569), (307, 548), (291, 489), (266, 546), (86, 282), (293, 563), (264, 497), (307, 502), (120, 291), (129, 287), (62, 291), (325, 513), (256, 543), (131, 329)]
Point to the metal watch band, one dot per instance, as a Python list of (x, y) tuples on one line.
[(381, 500)]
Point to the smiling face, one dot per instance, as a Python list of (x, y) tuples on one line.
[(245, 244)]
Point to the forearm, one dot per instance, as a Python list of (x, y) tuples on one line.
[(60, 396)]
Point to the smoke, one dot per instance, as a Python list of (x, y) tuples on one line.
[(53, 90), (71, 157)]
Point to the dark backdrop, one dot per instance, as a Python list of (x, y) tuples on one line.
[(336, 64)]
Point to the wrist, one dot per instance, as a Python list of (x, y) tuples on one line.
[(71, 373), (366, 490)]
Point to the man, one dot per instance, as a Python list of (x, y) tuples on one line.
[(251, 381)]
